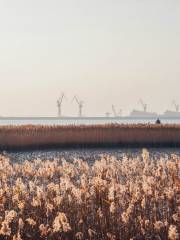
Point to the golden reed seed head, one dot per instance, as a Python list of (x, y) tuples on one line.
[(80, 201)]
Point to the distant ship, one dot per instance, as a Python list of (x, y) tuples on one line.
[(171, 114), (143, 114)]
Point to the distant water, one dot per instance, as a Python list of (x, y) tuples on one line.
[(80, 121)]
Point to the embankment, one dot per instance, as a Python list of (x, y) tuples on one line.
[(126, 135)]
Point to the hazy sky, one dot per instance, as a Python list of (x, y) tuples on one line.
[(106, 51)]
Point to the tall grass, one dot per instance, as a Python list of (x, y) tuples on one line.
[(114, 134), (135, 198)]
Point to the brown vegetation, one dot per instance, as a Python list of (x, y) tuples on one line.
[(135, 198), (114, 134)]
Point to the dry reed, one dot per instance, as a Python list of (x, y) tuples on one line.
[(114, 134), (135, 198)]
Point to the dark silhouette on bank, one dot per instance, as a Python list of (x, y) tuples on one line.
[(158, 121)]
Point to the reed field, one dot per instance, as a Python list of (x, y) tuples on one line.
[(91, 135), (129, 199)]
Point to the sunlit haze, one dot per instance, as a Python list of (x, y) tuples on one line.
[(105, 51)]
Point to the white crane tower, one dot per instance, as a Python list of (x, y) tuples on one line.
[(80, 105), (59, 104), (119, 114), (176, 106), (114, 111), (144, 105)]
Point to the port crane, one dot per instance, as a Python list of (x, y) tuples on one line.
[(120, 113), (144, 105), (176, 106), (80, 104), (59, 104), (115, 112)]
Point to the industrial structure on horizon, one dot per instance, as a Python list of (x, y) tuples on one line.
[(59, 104), (75, 98), (144, 113), (80, 105)]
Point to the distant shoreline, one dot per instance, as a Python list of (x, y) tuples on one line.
[(88, 118)]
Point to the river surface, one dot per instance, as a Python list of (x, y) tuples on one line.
[(82, 121)]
